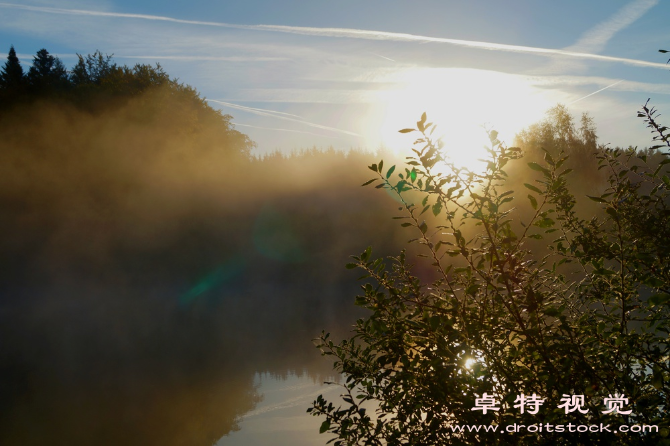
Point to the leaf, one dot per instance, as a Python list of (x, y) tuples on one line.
[(324, 426), (612, 212), (549, 159), (423, 227), (350, 266), (373, 168), (369, 181), (598, 199), (659, 299), (546, 222), (539, 168), (390, 171), (533, 201), (533, 188), (437, 208), (406, 130)]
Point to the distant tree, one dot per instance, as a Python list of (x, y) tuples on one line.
[(92, 69), (11, 75), (558, 133), (47, 73)]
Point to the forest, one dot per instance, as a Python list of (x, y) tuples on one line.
[(147, 251)]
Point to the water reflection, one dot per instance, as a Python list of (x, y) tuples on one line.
[(280, 420), (116, 360)]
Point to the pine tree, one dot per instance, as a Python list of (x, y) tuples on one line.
[(11, 76), (47, 72)]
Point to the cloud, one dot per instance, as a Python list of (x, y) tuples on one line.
[(353, 34), (280, 115), (595, 40)]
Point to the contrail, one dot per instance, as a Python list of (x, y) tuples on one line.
[(175, 57), (209, 58), (278, 115), (605, 88), (284, 130), (383, 57), (349, 33), (264, 110)]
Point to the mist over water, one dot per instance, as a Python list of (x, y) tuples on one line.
[(149, 273)]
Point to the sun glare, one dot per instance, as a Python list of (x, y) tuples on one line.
[(464, 104)]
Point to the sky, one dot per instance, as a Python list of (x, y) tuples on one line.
[(350, 74)]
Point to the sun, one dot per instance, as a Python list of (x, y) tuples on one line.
[(465, 104)]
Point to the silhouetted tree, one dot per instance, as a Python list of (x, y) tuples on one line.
[(47, 73), (91, 69), (11, 75)]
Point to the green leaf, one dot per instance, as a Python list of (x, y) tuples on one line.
[(612, 212), (423, 227), (373, 168), (390, 171), (546, 222), (549, 159), (539, 168), (598, 199), (533, 188), (350, 266), (437, 208), (659, 299), (533, 201), (324, 426), (369, 181), (366, 254)]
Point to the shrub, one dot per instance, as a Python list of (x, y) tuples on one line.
[(528, 299)]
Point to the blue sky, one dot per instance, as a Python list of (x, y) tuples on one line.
[(350, 74)]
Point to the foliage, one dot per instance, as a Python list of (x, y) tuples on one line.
[(553, 306), (557, 133)]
